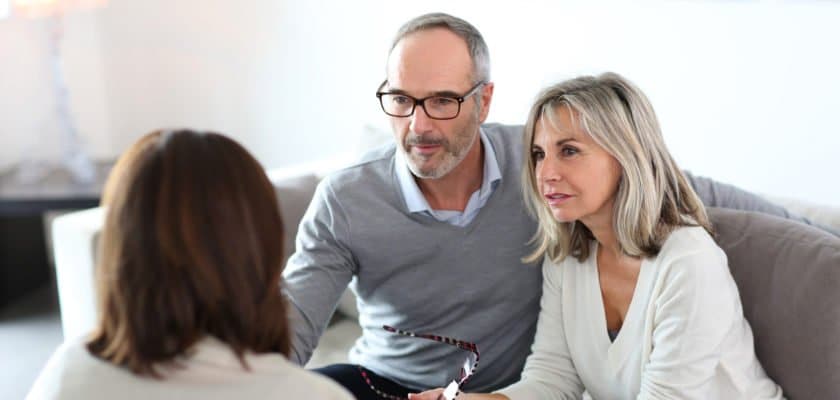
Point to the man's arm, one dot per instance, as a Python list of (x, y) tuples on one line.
[(717, 194), (318, 272)]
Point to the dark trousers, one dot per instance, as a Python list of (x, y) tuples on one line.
[(350, 376)]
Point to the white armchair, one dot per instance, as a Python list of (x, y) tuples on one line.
[(74, 237)]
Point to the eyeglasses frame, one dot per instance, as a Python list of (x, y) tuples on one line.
[(461, 344), (421, 102)]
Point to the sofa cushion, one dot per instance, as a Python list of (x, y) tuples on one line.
[(788, 275)]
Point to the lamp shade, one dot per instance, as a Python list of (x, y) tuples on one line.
[(45, 8)]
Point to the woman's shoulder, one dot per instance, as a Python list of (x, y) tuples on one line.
[(315, 386), (211, 372), (266, 372), (688, 241), (71, 353), (275, 374), (691, 250), (70, 362)]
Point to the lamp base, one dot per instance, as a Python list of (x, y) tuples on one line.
[(78, 166)]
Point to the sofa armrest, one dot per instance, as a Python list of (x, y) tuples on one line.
[(74, 243)]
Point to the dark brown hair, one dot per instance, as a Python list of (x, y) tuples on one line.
[(192, 246)]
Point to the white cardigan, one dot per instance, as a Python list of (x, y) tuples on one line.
[(211, 372), (684, 335)]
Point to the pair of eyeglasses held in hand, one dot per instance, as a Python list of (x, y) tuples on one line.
[(451, 390)]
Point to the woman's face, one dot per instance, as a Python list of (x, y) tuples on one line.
[(576, 177)]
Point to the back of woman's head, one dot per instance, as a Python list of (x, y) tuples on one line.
[(653, 195), (192, 245)]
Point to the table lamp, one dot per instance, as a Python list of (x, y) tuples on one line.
[(74, 159)]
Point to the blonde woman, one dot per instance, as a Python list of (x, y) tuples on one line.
[(638, 301)]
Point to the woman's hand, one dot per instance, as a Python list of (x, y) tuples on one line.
[(436, 394)]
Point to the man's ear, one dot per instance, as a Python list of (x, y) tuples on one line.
[(486, 98)]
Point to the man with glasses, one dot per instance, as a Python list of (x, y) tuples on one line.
[(430, 232)]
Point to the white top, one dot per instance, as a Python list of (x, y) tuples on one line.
[(212, 372), (684, 335)]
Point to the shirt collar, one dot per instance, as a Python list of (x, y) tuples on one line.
[(414, 199)]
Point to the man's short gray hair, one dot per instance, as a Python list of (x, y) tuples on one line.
[(475, 42)]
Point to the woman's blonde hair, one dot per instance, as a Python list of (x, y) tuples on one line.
[(653, 196)]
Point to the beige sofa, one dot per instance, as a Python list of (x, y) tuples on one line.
[(754, 244)]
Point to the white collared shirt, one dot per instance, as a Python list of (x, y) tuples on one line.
[(416, 202)]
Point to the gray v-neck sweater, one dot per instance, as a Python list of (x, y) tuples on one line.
[(419, 274)]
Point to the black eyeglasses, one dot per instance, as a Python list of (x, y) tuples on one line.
[(467, 370), (438, 106)]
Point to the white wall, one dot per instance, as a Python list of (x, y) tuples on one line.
[(746, 91)]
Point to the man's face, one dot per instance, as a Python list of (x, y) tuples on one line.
[(435, 62)]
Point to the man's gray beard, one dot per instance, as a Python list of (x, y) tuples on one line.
[(449, 162), (446, 166)]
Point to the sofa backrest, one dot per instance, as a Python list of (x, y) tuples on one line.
[(788, 276), (294, 194)]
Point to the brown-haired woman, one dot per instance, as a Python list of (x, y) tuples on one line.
[(188, 282)]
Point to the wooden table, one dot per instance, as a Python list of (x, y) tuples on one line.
[(24, 261)]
